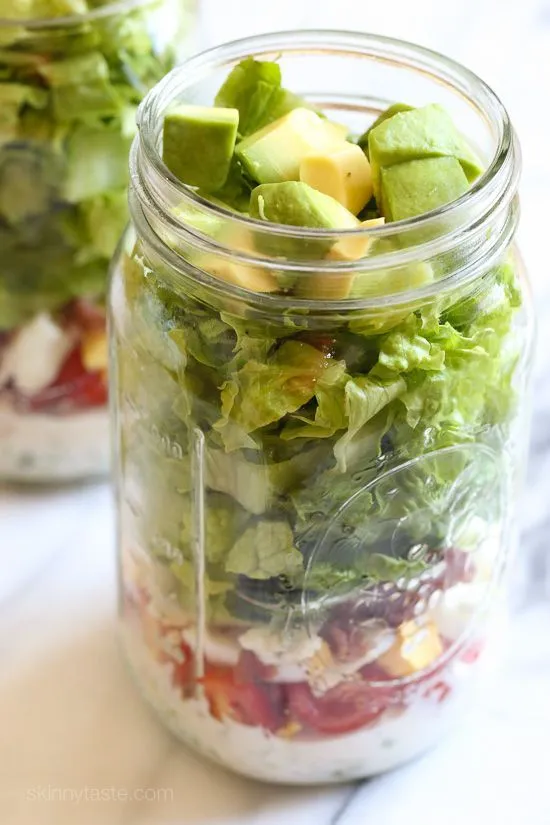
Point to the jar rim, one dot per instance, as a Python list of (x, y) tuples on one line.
[(493, 190), (108, 10)]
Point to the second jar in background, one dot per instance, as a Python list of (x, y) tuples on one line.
[(70, 84)]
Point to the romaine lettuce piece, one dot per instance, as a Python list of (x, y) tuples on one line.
[(81, 88), (404, 349), (254, 88), (34, 9), (261, 393), (365, 397), (13, 97), (330, 414), (96, 162), (28, 179), (104, 219), (265, 550)]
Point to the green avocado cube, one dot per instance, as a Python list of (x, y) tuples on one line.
[(392, 110), (426, 132), (416, 187), (198, 144), (274, 153), (296, 204)]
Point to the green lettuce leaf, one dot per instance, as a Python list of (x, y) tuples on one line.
[(372, 569), (330, 413), (96, 162), (364, 398), (265, 550), (254, 88), (104, 219), (404, 349), (13, 97), (81, 87), (28, 184), (262, 393), (247, 482), (223, 521), (36, 9)]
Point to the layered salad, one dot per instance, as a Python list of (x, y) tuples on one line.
[(313, 500), (71, 75)]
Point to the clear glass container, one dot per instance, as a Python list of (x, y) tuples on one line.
[(316, 494), (70, 84)]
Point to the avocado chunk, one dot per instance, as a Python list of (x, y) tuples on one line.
[(296, 204), (247, 276), (352, 248), (198, 144), (274, 153), (344, 174), (392, 110), (336, 285), (416, 187), (427, 132)]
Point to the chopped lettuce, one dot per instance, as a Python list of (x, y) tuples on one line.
[(364, 398), (254, 88), (303, 438), (68, 98), (95, 156), (265, 550), (323, 432), (262, 393)]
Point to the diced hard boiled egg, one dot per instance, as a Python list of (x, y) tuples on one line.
[(458, 606), (343, 172), (287, 652), (417, 646), (35, 356), (94, 349), (289, 730), (219, 649)]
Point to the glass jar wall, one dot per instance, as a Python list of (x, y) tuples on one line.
[(316, 493), (69, 89)]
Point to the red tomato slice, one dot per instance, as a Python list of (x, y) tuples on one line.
[(344, 708), (183, 671), (250, 669), (245, 702), (73, 387)]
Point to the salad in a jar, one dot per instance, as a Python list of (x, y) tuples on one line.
[(313, 502), (72, 75)]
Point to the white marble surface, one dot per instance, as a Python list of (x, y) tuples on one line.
[(71, 722)]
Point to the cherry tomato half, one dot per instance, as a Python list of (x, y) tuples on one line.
[(246, 702), (344, 708), (73, 387)]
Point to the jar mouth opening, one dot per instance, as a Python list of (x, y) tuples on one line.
[(108, 10), (268, 46), (467, 236)]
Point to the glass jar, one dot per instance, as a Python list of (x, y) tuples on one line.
[(316, 494), (69, 88)]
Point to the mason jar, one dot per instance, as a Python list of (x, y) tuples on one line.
[(316, 493), (69, 89)]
